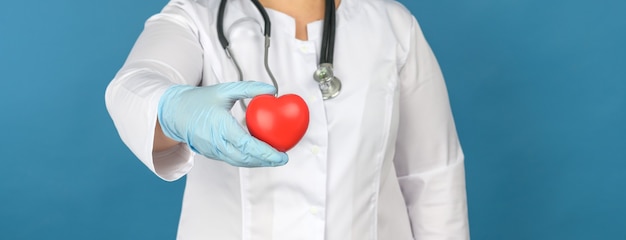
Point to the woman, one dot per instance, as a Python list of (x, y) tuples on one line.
[(381, 160)]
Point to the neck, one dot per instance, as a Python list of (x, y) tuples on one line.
[(296, 3), (299, 8), (303, 11)]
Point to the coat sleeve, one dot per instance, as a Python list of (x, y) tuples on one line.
[(429, 160), (167, 52)]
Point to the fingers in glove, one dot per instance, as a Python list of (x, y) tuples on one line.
[(245, 89), (241, 158), (242, 142)]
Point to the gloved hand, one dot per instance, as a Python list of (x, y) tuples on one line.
[(200, 117)]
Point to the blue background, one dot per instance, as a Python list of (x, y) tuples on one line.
[(538, 89)]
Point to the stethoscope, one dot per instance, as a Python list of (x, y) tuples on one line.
[(329, 84)]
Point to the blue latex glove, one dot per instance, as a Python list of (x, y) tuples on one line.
[(200, 117)]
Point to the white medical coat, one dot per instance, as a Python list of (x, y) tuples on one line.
[(380, 161)]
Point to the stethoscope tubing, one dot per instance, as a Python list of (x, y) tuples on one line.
[(328, 37), (324, 75), (267, 29)]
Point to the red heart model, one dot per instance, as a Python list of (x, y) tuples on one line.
[(280, 122)]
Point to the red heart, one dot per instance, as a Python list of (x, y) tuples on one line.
[(280, 122)]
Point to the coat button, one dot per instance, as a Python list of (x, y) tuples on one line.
[(315, 150)]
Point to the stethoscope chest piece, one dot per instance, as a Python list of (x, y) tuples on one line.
[(330, 86)]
